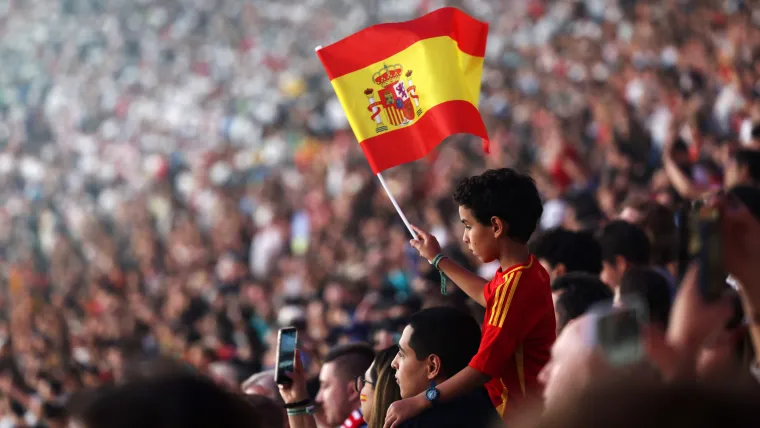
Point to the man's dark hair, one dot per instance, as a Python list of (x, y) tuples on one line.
[(352, 360), (651, 286), (620, 238), (586, 208), (579, 292), (178, 400), (749, 159), (452, 335), (506, 194), (577, 251)]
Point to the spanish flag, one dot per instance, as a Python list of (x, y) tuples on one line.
[(407, 86)]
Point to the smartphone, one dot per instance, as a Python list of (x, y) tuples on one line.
[(287, 340), (700, 240), (617, 331)]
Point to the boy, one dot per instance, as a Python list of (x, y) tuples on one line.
[(499, 210)]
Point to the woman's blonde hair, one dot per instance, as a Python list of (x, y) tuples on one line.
[(386, 388)]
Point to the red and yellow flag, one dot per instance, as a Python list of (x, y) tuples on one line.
[(407, 86)]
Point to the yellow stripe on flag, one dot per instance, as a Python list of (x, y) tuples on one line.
[(441, 73)]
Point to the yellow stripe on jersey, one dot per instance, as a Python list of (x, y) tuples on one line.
[(504, 398), (512, 289), (499, 298), (519, 361)]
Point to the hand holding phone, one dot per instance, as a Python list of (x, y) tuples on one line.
[(289, 373), (701, 242), (285, 360)]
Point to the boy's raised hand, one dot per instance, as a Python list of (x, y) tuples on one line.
[(426, 244)]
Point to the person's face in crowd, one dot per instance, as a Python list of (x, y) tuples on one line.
[(412, 375), (367, 394), (571, 221), (571, 365), (382, 339), (612, 273), (337, 397), (554, 271), (480, 239)]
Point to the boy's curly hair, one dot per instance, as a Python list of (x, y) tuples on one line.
[(503, 193)]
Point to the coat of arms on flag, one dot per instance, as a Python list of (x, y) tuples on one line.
[(395, 102)]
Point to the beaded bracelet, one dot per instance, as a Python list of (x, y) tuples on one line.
[(436, 261)]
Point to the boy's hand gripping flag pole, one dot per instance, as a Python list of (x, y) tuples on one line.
[(407, 86)]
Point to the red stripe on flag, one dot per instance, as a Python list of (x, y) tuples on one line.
[(362, 49), (416, 141)]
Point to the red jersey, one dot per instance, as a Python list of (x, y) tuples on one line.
[(518, 332)]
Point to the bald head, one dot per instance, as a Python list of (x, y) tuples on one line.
[(572, 363), (262, 384)]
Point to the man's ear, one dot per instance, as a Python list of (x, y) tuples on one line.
[(351, 392), (433, 366), (560, 270), (498, 226), (621, 264)]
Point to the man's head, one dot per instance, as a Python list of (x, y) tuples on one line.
[(181, 400), (658, 221), (337, 394), (574, 294), (561, 251), (495, 206), (653, 288), (743, 168), (262, 384), (624, 245), (437, 343), (572, 365)]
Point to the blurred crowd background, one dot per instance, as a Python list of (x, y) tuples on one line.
[(178, 178)]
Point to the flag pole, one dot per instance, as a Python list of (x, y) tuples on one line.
[(395, 205), (388, 192)]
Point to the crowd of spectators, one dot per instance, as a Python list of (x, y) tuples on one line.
[(177, 177)]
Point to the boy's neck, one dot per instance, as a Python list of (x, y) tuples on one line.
[(513, 253)]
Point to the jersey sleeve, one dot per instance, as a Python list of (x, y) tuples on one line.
[(513, 314)]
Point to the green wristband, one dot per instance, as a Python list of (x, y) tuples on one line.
[(436, 261)]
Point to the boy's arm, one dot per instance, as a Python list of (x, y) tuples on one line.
[(461, 383), (467, 380), (469, 282)]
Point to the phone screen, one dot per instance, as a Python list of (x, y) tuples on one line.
[(704, 244), (286, 352), (618, 334)]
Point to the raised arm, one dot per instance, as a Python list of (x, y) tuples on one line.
[(469, 282)]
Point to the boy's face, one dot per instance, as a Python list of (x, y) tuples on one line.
[(480, 239)]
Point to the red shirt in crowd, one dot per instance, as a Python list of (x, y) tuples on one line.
[(518, 332)]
